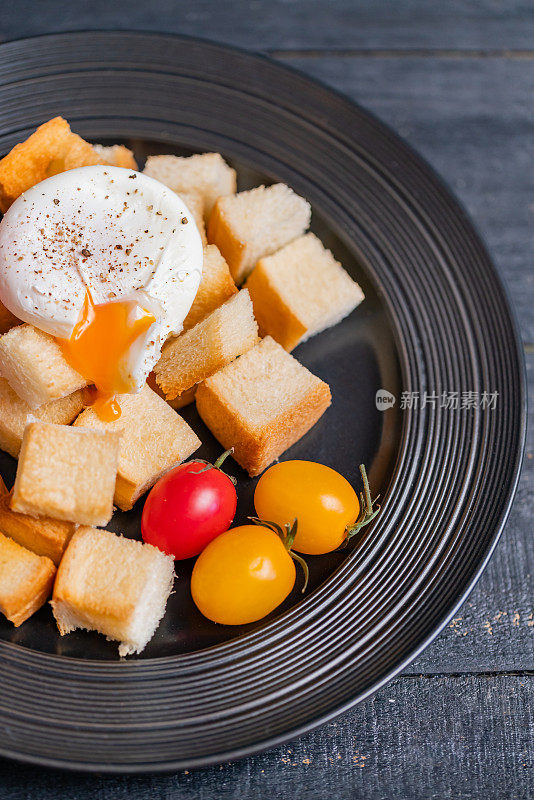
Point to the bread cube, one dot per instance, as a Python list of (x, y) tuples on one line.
[(184, 399), (52, 148), (195, 204), (44, 536), (116, 155), (301, 290), (116, 586), (33, 364), (26, 581), (261, 404), (216, 286), (225, 334), (14, 414), (208, 174), (153, 439), (66, 473), (249, 225), (7, 319)]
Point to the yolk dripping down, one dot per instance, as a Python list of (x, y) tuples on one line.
[(99, 345)]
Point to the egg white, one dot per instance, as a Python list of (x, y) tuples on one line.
[(115, 232)]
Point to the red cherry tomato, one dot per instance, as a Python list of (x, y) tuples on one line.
[(187, 508)]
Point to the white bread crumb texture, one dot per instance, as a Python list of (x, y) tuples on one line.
[(256, 223), (300, 291), (218, 339), (263, 383), (113, 585), (205, 173), (66, 473), (262, 404), (34, 366)]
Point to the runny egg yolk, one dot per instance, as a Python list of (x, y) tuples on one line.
[(99, 346)]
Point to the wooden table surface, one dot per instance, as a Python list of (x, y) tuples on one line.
[(456, 79)]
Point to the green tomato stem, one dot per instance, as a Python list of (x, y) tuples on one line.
[(222, 458), (367, 512), (288, 537), (218, 464), (300, 560)]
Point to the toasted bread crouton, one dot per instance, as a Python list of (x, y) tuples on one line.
[(66, 473), (208, 174), (301, 290), (26, 581), (52, 148), (7, 319), (261, 404), (184, 399), (195, 204), (225, 334), (249, 225), (117, 155), (153, 439), (44, 536), (3, 488), (116, 586), (33, 364), (14, 414), (216, 287)]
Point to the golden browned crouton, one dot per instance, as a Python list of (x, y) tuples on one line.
[(301, 290), (206, 174), (52, 148), (261, 404), (249, 225), (116, 586), (43, 536), (116, 155), (15, 413), (153, 439), (33, 364), (66, 473), (225, 334), (7, 319), (26, 581), (195, 204), (216, 287)]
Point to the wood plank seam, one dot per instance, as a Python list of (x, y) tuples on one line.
[(422, 52)]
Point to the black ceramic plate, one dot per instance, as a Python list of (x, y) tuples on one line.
[(435, 322)]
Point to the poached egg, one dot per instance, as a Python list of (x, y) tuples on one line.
[(108, 261)]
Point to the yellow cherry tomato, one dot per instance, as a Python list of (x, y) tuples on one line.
[(321, 500), (242, 575)]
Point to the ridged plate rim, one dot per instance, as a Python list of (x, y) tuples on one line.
[(413, 199)]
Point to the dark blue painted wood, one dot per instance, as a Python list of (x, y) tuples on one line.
[(292, 24), (473, 119), (420, 738)]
